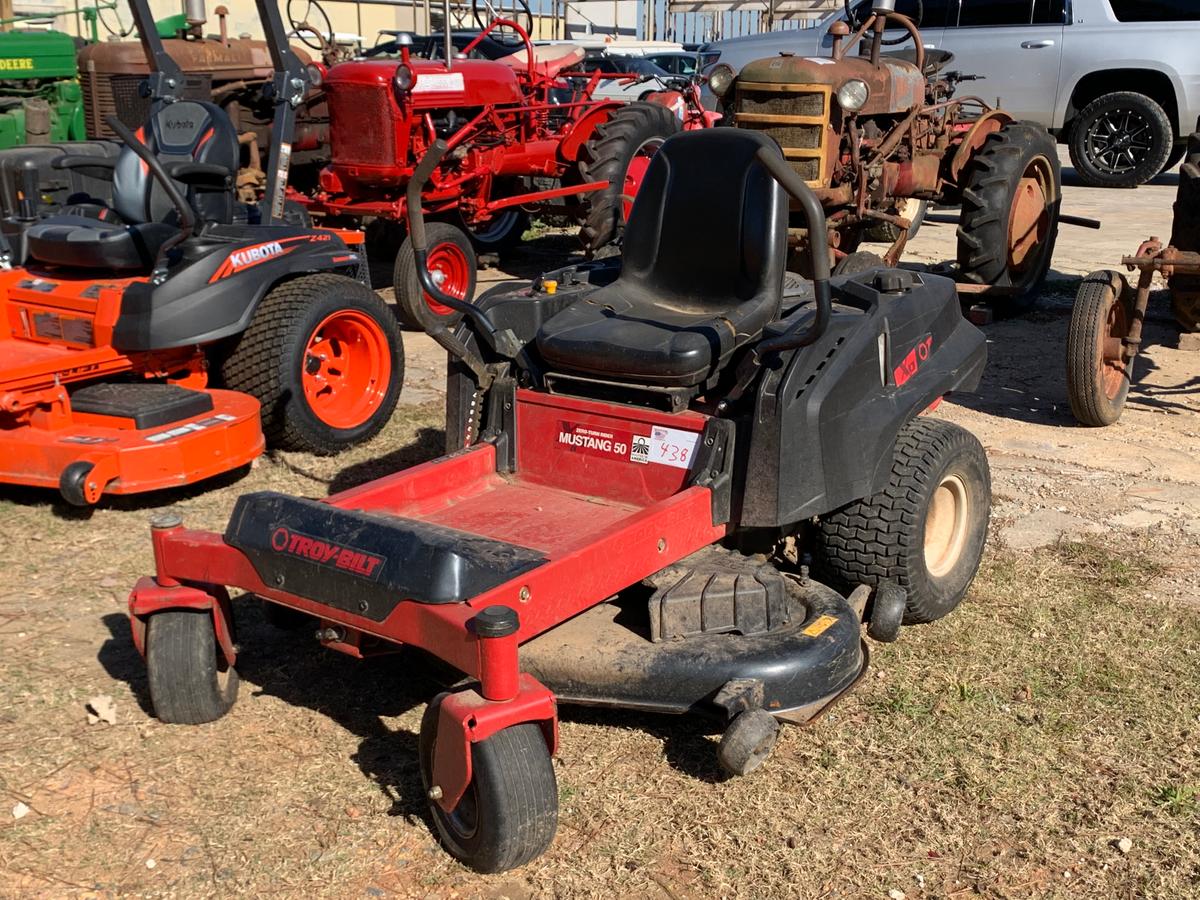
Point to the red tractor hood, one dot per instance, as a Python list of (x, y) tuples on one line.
[(470, 82)]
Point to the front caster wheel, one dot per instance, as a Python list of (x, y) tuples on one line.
[(925, 530), (509, 812), (190, 682), (73, 484), (887, 612), (1097, 370), (747, 741)]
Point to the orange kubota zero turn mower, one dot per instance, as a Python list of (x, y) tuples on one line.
[(118, 317), (653, 459)]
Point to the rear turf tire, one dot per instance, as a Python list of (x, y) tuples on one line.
[(1015, 171), (509, 814), (925, 530), (189, 681), (451, 257), (1097, 386), (324, 357), (630, 135)]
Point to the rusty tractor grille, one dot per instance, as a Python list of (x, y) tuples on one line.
[(795, 116), (370, 139), (106, 95)]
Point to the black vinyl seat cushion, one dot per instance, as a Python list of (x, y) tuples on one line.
[(702, 274), (90, 243)]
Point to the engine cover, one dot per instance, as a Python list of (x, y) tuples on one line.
[(896, 86)]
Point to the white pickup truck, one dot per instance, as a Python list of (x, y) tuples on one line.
[(1118, 81)]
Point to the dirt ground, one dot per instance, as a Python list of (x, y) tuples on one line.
[(1044, 740)]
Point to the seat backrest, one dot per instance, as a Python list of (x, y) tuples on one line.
[(708, 228), (187, 130)]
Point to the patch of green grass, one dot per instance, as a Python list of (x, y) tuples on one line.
[(1176, 799)]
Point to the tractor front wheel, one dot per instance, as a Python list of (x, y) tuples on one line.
[(509, 812), (1009, 221), (619, 152), (324, 358), (451, 261), (1097, 370)]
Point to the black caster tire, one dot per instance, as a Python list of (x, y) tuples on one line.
[(284, 618), (748, 741), (73, 481), (509, 813), (887, 612), (324, 357), (451, 260), (1098, 381), (925, 530), (189, 681)]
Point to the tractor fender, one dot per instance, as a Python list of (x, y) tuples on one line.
[(988, 123), (216, 296), (581, 133)]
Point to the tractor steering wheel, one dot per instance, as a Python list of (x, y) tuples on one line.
[(855, 22), (122, 30), (520, 13), (304, 24)]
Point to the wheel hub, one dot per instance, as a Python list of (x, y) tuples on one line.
[(1119, 141), (946, 525), (347, 368), (1029, 216), (1110, 356), (448, 267)]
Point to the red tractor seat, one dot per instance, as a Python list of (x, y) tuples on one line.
[(548, 59), (702, 272)]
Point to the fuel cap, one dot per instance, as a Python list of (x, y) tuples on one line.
[(893, 281)]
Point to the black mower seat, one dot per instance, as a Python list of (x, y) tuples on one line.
[(702, 275), (129, 234), (89, 243)]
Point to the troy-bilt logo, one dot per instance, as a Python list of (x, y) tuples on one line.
[(912, 362), (326, 553)]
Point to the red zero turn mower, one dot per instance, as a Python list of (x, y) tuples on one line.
[(116, 315), (654, 452)]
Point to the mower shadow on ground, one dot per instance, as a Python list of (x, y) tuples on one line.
[(429, 443)]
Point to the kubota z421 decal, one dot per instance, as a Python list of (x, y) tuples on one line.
[(247, 257)]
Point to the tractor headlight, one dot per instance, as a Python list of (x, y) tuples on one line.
[(316, 74), (403, 80), (720, 79), (853, 95)]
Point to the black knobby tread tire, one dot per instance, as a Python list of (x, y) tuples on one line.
[(411, 309), (516, 795), (882, 537), (181, 667), (1185, 235), (989, 186), (1085, 389), (605, 156), (1178, 152), (1150, 167), (257, 364)]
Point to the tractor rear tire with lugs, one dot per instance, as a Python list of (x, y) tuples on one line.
[(1185, 235), (618, 152), (1009, 221)]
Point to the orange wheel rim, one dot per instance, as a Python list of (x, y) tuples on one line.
[(347, 368), (1110, 350), (1029, 216), (451, 273)]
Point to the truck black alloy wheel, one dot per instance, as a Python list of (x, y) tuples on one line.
[(1097, 372), (619, 152), (1121, 139), (451, 259), (189, 680), (323, 356), (509, 812), (926, 530), (1009, 219)]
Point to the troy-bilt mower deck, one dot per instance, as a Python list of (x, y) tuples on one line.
[(653, 450)]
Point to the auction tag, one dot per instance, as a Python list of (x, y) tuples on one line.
[(672, 447), (428, 84)]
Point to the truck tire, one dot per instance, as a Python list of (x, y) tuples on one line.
[(618, 152), (1008, 224), (451, 258), (926, 529), (1121, 139), (324, 358)]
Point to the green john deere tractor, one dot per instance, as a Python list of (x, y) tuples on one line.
[(40, 99)]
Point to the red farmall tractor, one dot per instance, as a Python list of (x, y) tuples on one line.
[(877, 133), (523, 134)]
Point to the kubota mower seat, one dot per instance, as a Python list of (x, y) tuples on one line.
[(141, 217), (702, 271)]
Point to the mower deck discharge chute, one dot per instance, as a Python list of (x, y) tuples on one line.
[(117, 315), (651, 457)]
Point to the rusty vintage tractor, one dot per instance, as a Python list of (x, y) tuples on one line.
[(1105, 334), (877, 131)]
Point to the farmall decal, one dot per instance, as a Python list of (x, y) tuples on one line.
[(912, 362), (326, 553)]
